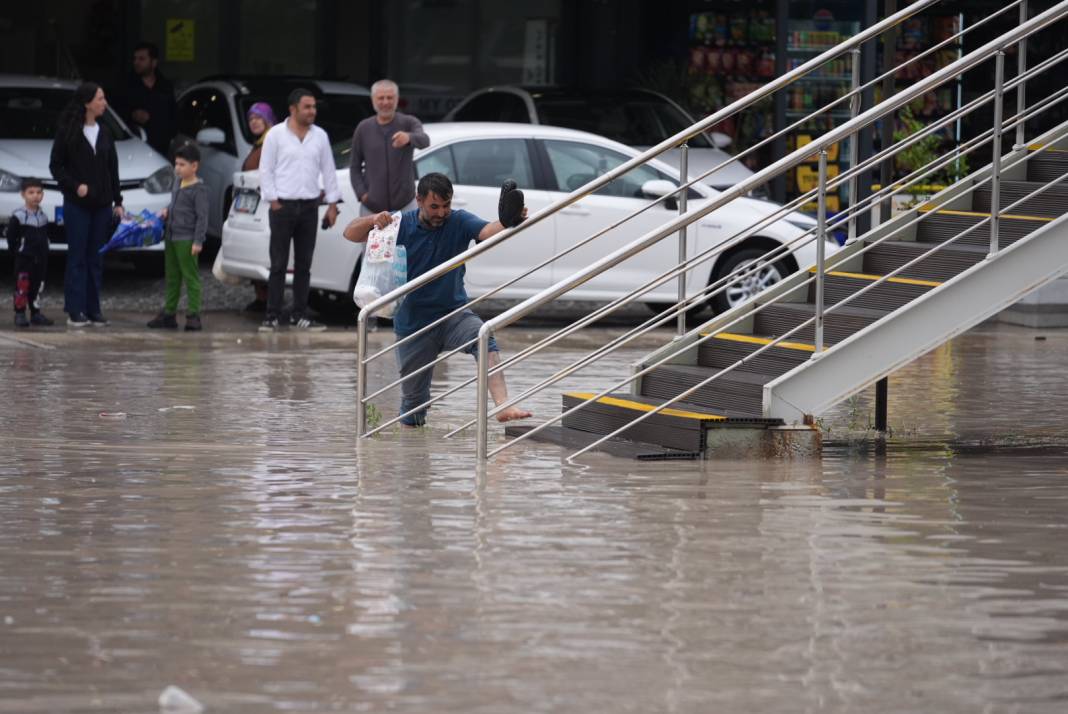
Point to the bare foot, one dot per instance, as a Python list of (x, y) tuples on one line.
[(512, 413)]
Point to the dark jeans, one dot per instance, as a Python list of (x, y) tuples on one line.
[(88, 229), (296, 221)]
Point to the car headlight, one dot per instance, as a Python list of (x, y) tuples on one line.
[(9, 181), (162, 181)]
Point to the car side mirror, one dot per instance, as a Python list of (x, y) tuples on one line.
[(211, 136), (657, 188), (720, 140)]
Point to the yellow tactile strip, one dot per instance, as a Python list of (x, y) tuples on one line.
[(1044, 147), (754, 340), (642, 407), (1010, 216), (873, 278)]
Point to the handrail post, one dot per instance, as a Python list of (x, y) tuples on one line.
[(361, 375), (684, 175), (821, 240), (1021, 88), (854, 146), (995, 166), (482, 397)]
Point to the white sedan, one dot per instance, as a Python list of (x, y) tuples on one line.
[(547, 162), (29, 108)]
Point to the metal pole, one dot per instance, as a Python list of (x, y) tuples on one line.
[(886, 133), (482, 406), (684, 174), (361, 376), (1021, 88), (821, 241), (854, 145), (995, 179)]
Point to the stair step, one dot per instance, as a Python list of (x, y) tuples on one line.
[(940, 266), (1048, 165), (943, 225), (681, 426), (735, 394), (1051, 203), (725, 349), (624, 448), (778, 319), (886, 296)]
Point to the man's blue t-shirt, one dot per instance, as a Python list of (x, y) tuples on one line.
[(427, 248)]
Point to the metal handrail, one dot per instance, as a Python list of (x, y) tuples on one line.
[(844, 131), (845, 217), (767, 90), (781, 338), (839, 220)]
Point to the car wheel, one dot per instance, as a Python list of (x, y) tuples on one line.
[(760, 276), (333, 305)]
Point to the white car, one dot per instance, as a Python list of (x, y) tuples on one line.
[(29, 108), (547, 162), (213, 111), (639, 118)]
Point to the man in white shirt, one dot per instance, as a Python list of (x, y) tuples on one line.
[(296, 153)]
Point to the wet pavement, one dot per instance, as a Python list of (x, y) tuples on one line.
[(227, 535)]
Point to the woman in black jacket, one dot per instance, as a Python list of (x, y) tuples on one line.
[(85, 164)]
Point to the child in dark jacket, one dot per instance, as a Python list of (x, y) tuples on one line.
[(187, 225), (27, 238)]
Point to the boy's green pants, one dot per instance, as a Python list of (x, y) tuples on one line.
[(180, 265)]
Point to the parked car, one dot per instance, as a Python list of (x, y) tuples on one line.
[(639, 118), (212, 111), (547, 162), (29, 110)]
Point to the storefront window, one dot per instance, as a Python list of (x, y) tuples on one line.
[(455, 46)]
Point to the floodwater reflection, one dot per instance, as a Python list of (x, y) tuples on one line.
[(246, 549)]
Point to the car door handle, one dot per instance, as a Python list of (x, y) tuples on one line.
[(575, 209)]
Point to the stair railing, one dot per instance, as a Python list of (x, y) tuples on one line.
[(841, 133), (884, 194), (735, 107)]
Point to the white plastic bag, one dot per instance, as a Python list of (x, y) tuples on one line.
[(377, 273), (221, 275)]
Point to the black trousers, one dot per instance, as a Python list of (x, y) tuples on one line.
[(295, 221), (31, 264)]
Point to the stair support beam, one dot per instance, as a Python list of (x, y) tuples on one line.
[(976, 294)]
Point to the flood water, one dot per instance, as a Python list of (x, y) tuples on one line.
[(229, 537)]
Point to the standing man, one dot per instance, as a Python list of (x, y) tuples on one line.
[(382, 172), (150, 102), (432, 234), (296, 153)]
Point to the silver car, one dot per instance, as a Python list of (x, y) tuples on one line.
[(29, 108)]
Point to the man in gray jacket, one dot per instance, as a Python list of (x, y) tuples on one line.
[(382, 173)]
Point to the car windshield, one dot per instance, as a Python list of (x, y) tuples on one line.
[(337, 115), (631, 120), (32, 113)]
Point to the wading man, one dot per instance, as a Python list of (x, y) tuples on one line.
[(432, 234)]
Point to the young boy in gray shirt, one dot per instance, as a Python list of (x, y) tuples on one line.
[(187, 225)]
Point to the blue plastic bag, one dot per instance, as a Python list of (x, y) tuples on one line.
[(136, 230)]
